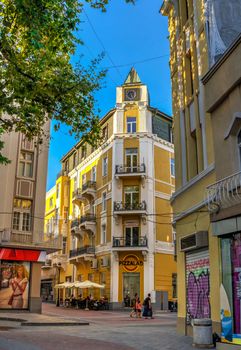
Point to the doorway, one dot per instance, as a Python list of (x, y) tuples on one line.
[(131, 285), (132, 236)]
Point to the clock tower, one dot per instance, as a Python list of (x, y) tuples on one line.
[(133, 90)]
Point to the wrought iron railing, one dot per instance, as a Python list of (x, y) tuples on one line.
[(224, 193), (75, 223), (81, 251), (88, 217), (130, 169), (77, 192), (33, 239), (127, 242), (62, 172), (89, 185), (121, 206)]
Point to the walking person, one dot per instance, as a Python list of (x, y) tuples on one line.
[(138, 308), (147, 312)]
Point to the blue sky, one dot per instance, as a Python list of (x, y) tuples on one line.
[(129, 34)]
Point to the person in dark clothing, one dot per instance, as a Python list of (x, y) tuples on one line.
[(147, 312)]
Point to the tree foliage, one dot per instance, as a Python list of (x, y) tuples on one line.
[(37, 80)]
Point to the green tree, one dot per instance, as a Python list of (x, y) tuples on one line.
[(37, 80)]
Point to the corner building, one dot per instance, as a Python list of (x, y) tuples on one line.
[(118, 218), (23, 246), (205, 45)]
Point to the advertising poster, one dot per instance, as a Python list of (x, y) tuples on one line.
[(14, 284)]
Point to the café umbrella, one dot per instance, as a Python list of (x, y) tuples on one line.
[(88, 284), (64, 285)]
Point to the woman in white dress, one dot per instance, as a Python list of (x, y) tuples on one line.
[(18, 284)]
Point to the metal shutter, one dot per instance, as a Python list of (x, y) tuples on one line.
[(197, 284)]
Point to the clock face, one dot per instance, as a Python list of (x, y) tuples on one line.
[(131, 94)]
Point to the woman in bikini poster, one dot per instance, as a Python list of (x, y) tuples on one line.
[(14, 287)]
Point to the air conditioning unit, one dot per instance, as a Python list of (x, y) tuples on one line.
[(94, 264), (104, 262), (194, 241)]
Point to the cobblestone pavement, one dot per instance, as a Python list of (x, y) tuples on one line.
[(107, 331)]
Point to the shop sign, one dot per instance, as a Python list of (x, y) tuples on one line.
[(130, 263)]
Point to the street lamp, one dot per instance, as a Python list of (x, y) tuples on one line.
[(58, 267)]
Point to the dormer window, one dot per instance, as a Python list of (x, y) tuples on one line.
[(131, 124)]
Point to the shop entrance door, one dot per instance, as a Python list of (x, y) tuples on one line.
[(131, 286)]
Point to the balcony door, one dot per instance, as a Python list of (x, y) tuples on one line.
[(132, 236), (131, 159), (131, 195)]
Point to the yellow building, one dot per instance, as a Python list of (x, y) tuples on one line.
[(205, 48), (116, 214)]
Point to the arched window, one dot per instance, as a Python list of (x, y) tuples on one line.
[(239, 148)]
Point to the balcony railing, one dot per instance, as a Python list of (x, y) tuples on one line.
[(87, 217), (62, 172), (89, 185), (120, 206), (77, 192), (130, 169), (75, 223), (224, 193), (126, 242), (82, 251), (36, 239)]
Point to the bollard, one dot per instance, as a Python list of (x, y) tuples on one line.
[(202, 333)]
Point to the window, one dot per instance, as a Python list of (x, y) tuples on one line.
[(103, 234), (64, 245), (80, 278), (132, 236), (57, 190), (26, 164), (22, 215), (239, 148), (75, 159), (66, 166), (131, 196), (83, 178), (16, 221), (172, 167), (131, 124), (75, 183), (51, 200), (83, 151), (90, 277), (105, 166), (105, 133), (93, 173), (103, 201), (131, 158)]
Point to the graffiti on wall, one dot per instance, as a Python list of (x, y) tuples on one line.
[(198, 289)]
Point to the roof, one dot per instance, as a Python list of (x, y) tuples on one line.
[(132, 77)]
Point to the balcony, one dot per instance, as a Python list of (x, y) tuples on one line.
[(121, 242), (75, 228), (29, 240), (130, 171), (130, 208), (88, 223), (89, 190), (86, 252), (77, 197), (224, 193)]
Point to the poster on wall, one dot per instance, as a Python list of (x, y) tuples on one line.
[(14, 284)]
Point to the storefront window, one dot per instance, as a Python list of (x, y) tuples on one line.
[(230, 291)]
